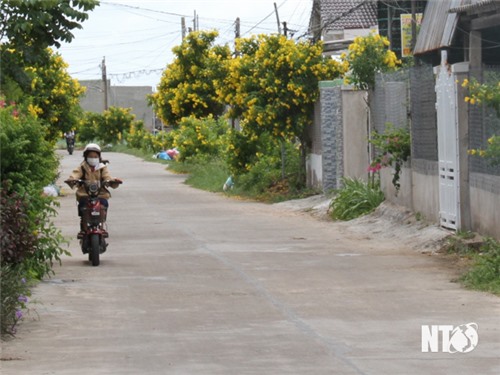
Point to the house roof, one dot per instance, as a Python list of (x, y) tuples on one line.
[(438, 25), (346, 14), (476, 6)]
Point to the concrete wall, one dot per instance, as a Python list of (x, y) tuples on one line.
[(355, 125), (134, 97), (118, 96), (485, 204), (93, 99), (339, 137), (314, 168), (405, 195), (425, 189)]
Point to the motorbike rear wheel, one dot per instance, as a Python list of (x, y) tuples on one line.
[(94, 249)]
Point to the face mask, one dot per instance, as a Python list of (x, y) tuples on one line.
[(93, 162)]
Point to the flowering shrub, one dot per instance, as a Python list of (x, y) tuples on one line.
[(393, 149), (367, 56), (29, 242), (109, 127), (196, 137), (488, 94), (139, 138), (14, 298)]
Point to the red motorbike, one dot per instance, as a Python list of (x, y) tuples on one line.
[(93, 239)]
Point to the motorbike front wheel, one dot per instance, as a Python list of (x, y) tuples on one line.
[(94, 249)]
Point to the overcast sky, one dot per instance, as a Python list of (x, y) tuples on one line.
[(137, 37)]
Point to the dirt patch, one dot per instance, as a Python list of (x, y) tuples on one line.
[(388, 222)]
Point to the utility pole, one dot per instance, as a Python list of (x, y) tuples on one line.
[(195, 22), (183, 27), (277, 18), (285, 30), (105, 83), (389, 25), (413, 25), (237, 28)]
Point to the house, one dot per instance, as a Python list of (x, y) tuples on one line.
[(338, 22), (469, 30)]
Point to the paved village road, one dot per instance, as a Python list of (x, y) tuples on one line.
[(196, 283)]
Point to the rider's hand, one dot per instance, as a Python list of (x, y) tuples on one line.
[(71, 183), (119, 181)]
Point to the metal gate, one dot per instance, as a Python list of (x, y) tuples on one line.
[(447, 124)]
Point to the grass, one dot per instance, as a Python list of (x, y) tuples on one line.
[(355, 199), (482, 259), (484, 274)]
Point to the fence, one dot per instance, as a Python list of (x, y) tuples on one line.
[(407, 98)]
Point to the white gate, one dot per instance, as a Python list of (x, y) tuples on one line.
[(447, 124)]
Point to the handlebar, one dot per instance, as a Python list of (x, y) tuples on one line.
[(80, 182)]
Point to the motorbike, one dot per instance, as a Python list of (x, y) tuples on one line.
[(94, 227), (70, 145)]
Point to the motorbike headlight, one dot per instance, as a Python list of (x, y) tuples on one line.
[(93, 188)]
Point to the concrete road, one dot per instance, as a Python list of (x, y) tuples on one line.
[(196, 283)]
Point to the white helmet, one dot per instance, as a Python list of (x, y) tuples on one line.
[(91, 147)]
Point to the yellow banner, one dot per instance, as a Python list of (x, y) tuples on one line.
[(406, 32)]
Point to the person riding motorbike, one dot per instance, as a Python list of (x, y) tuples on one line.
[(70, 138), (93, 168)]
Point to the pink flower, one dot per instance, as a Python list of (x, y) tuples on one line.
[(374, 168), (2, 103)]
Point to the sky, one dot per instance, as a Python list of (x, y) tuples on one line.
[(136, 37)]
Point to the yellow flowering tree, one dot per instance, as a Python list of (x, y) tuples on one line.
[(273, 84), (489, 94), (31, 73), (45, 86), (187, 85), (55, 94), (195, 137), (366, 56)]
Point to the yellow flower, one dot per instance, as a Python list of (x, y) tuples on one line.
[(472, 101), (465, 83), (467, 99), (490, 140), (482, 153), (472, 152)]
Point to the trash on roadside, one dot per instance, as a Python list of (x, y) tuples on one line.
[(162, 155), (229, 184), (51, 190), (171, 154)]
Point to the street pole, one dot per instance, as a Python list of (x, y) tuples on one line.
[(277, 18), (105, 83), (183, 27), (413, 24)]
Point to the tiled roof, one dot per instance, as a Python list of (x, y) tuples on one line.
[(347, 14), (476, 5)]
